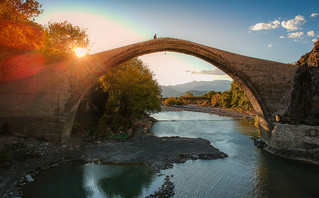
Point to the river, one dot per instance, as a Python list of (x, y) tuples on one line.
[(247, 172)]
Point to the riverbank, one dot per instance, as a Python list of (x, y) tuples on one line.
[(31, 157), (212, 110)]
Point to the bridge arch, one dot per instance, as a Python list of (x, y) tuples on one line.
[(250, 73), (267, 84)]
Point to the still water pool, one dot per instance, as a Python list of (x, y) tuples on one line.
[(78, 180), (247, 172)]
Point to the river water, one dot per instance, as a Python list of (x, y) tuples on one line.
[(247, 172)]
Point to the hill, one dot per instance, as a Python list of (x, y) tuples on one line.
[(197, 88)]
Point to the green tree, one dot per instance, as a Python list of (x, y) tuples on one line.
[(235, 98), (239, 98), (132, 92), (226, 99), (62, 38)]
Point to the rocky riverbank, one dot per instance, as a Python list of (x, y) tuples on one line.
[(213, 110), (30, 157), (27, 157)]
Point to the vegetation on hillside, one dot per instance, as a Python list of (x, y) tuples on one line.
[(235, 98), (172, 101)]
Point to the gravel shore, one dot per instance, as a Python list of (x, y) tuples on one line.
[(212, 110)]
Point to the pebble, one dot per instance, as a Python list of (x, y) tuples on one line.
[(29, 178)]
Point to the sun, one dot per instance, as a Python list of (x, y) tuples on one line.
[(80, 52)]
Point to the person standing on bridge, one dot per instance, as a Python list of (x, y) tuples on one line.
[(155, 37)]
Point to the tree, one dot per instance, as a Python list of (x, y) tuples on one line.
[(20, 10), (62, 38), (188, 94), (215, 100), (180, 101), (235, 98), (132, 92), (209, 95), (226, 99), (239, 98), (170, 101), (18, 31)]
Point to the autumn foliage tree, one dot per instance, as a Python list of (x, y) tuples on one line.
[(26, 46), (18, 31), (215, 100), (20, 10), (175, 101)]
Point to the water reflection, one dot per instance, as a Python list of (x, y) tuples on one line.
[(94, 181), (118, 181)]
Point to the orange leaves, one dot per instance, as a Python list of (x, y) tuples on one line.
[(20, 36)]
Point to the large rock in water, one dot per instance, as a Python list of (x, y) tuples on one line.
[(304, 102)]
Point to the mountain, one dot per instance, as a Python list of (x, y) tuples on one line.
[(197, 93), (168, 91), (196, 87)]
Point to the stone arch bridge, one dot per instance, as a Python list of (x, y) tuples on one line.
[(44, 104)]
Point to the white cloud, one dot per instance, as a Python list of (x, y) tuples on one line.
[(269, 45), (294, 24), (295, 35), (314, 40), (281, 37), (313, 15), (208, 72), (311, 33), (265, 26)]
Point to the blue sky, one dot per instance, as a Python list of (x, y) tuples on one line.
[(274, 30)]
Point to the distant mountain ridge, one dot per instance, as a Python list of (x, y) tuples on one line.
[(197, 88)]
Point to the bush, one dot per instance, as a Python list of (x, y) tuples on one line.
[(215, 100), (170, 101)]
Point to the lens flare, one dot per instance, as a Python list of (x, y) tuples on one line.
[(80, 52)]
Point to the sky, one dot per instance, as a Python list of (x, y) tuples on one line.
[(274, 30)]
